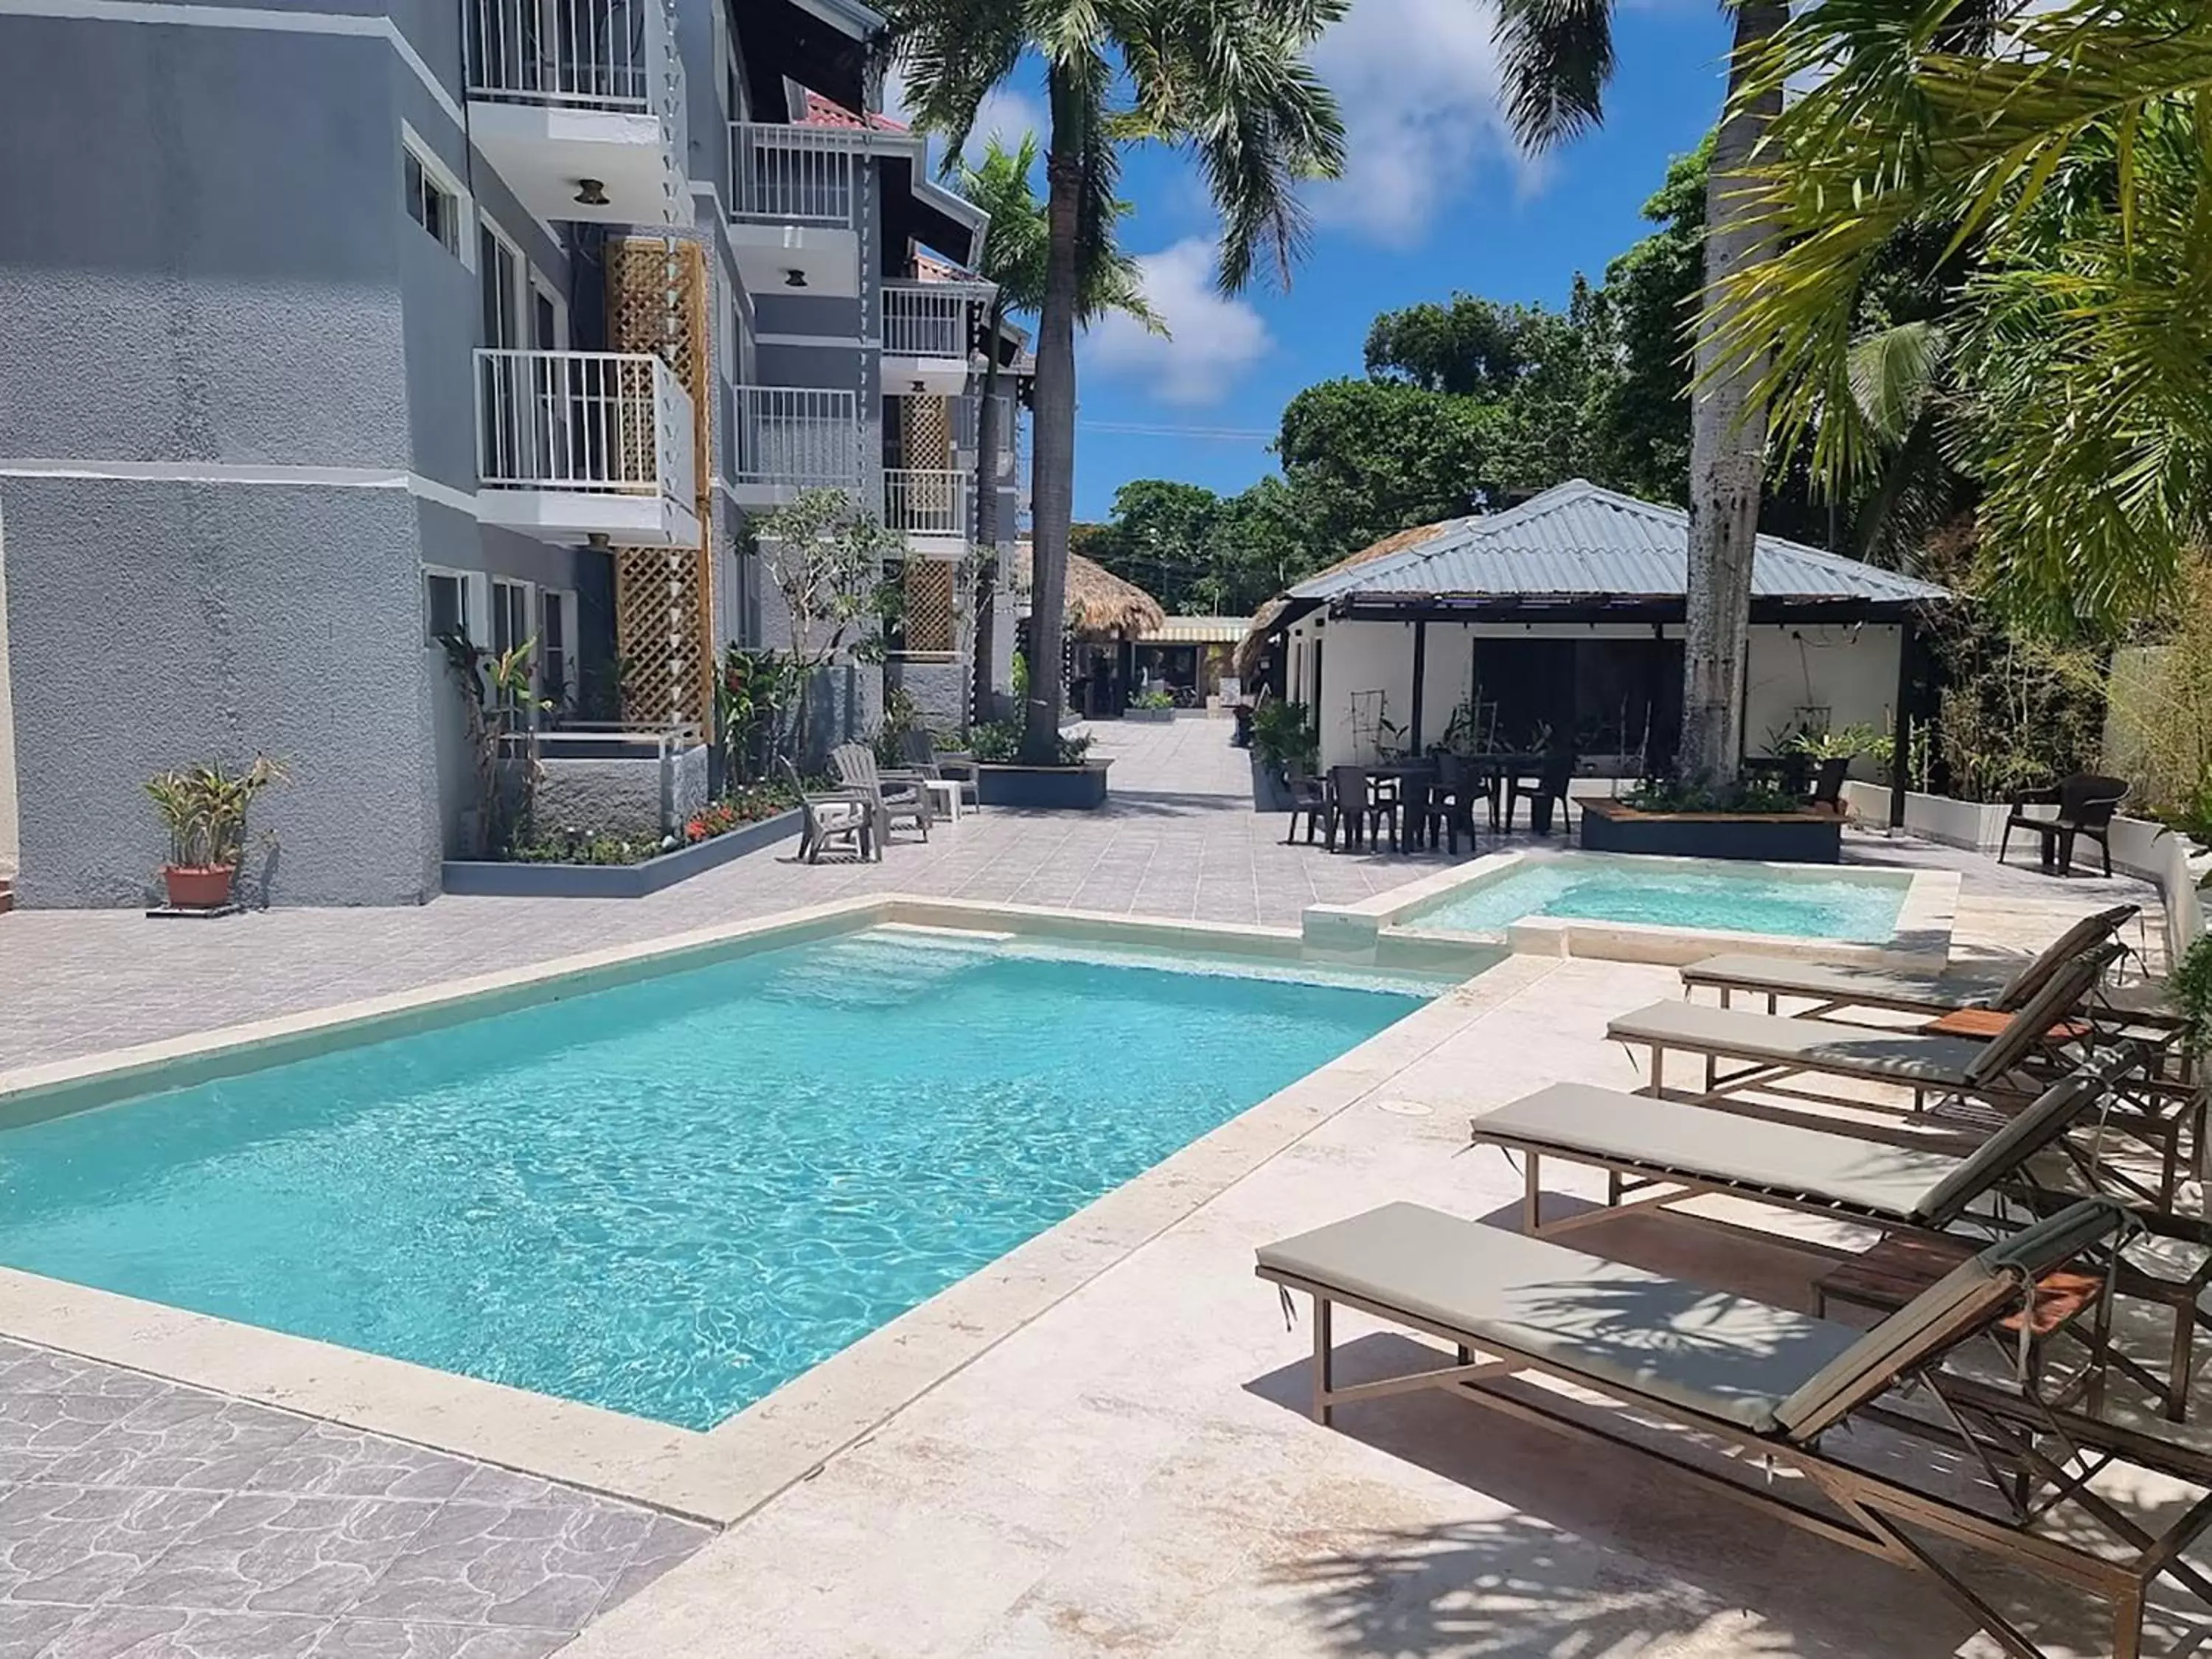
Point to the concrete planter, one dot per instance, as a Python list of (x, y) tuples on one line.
[(487, 879), (1270, 794), (1045, 788), (1975, 824), (1768, 837), (1150, 716)]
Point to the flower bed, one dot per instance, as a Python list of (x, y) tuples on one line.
[(574, 865)]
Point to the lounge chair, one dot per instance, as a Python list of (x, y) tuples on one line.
[(918, 751), (1680, 1149), (838, 818), (1770, 1383), (897, 799), (1831, 988)]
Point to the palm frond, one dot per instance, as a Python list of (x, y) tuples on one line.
[(1555, 57)]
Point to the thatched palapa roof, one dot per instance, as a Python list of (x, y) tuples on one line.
[(1101, 606), (1263, 621)]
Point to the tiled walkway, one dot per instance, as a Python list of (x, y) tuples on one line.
[(1178, 839), (141, 1518)]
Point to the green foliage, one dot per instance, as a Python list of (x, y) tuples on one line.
[(501, 718), (2070, 177), (1283, 735), (901, 717), (999, 742), (1153, 700), (1844, 743), (2189, 986), (733, 809), (2161, 707), (203, 808), (1747, 795), (755, 696)]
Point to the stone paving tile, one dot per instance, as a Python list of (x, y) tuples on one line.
[(161, 1520)]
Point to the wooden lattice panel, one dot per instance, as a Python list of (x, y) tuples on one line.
[(657, 293), (931, 621), (926, 432)]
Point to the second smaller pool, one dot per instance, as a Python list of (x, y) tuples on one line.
[(1861, 906)]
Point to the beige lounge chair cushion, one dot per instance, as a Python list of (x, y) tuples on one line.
[(1868, 987), (1815, 1044), (1704, 1350), (1698, 1141)]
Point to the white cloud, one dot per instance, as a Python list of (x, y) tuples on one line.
[(1212, 339), (1418, 82)]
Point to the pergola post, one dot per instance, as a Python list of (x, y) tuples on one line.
[(1901, 738), (1420, 674)]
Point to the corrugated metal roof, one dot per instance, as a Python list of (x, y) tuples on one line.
[(1199, 630), (1579, 540)]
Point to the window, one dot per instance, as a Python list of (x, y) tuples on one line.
[(446, 605), (510, 615), (431, 201), (500, 273), (557, 646)]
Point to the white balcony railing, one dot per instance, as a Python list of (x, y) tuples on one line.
[(587, 54), (926, 501), (925, 319), (591, 422), (797, 436), (794, 174)]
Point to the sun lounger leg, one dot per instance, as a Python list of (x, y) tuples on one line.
[(1532, 1214), (1324, 1370)]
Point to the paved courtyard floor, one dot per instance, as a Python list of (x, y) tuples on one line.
[(1130, 1472)]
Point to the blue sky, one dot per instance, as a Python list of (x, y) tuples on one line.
[(1435, 199)]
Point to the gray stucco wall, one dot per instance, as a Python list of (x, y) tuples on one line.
[(277, 620), (161, 306)]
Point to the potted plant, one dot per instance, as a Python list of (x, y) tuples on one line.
[(204, 808), (1284, 740), (1158, 706)]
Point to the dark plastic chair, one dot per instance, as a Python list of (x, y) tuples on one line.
[(1828, 795), (1550, 784), (2086, 802), (1354, 806), (1310, 796)]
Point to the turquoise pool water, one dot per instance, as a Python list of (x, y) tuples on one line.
[(1597, 889), (669, 1197)]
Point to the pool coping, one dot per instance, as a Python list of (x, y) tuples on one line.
[(1384, 928), (720, 1474)]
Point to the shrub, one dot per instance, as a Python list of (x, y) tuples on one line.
[(1283, 735)]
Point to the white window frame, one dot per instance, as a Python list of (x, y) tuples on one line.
[(519, 299), (537, 284), (476, 602), (565, 599), (464, 207)]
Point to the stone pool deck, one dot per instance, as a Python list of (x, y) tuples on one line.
[(1126, 1470)]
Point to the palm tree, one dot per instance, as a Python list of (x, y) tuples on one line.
[(2069, 156), (1227, 79), (1014, 262), (1556, 60)]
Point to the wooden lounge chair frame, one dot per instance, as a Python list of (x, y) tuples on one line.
[(2005, 1073), (2005, 1433), (2059, 1110)]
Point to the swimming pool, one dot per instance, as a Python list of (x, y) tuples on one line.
[(1678, 893), (670, 1196)]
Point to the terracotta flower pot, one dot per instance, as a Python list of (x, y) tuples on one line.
[(199, 886)]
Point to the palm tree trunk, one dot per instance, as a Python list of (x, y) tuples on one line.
[(1728, 444), (984, 642), (1052, 487)]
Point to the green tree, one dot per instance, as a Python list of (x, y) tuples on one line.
[(1468, 346), (1555, 61), (1227, 81), (1649, 296), (2075, 372), (1365, 458), (1014, 259)]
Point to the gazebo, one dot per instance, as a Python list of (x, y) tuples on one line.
[(1106, 615)]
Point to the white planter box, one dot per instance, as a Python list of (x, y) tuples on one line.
[(1975, 824)]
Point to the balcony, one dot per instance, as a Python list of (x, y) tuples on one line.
[(575, 444), (579, 104), (926, 332), (793, 192), (929, 505), (793, 438)]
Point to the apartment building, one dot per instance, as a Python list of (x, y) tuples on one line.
[(331, 331)]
